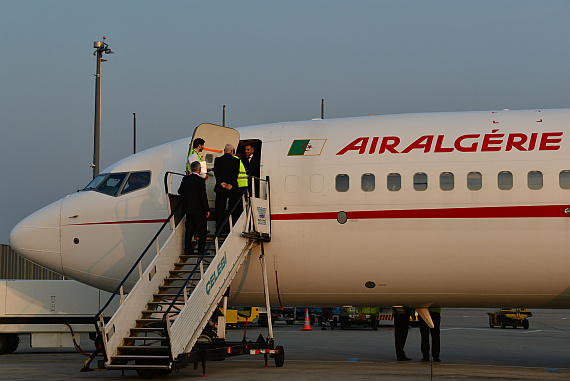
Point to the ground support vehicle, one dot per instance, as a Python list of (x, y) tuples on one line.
[(277, 314), (242, 315), (504, 317), (414, 319), (366, 316), (53, 312)]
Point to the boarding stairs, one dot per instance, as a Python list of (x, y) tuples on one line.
[(160, 320)]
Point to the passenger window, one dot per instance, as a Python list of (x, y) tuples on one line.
[(564, 179), (368, 182), (446, 181), (136, 180), (420, 181), (342, 183), (474, 181), (535, 180), (291, 184), (112, 184), (317, 183), (505, 180), (394, 182)]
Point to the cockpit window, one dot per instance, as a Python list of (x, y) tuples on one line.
[(96, 181), (136, 180), (112, 184)]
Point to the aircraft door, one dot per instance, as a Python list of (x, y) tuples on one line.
[(215, 137)]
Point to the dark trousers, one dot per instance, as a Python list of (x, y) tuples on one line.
[(195, 225), (239, 209), (222, 198), (401, 325), (425, 332)]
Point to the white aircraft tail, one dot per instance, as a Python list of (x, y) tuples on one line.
[(169, 308)]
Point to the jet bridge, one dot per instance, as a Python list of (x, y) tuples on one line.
[(157, 326)]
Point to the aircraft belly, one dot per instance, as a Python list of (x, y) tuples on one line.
[(450, 262)]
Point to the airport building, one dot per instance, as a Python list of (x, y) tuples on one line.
[(14, 266)]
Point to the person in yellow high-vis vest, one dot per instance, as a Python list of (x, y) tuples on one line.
[(197, 148), (242, 182)]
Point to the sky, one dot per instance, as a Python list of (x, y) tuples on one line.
[(176, 64)]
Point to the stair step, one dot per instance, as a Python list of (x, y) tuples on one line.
[(145, 329), (192, 264), (143, 348), (207, 256), (158, 312), (195, 277), (189, 271), (135, 367), (172, 296), (145, 338), (140, 357), (166, 302), (150, 320), (168, 295)]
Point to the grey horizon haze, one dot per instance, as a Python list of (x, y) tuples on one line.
[(178, 62)]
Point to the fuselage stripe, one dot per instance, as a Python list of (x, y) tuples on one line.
[(122, 222), (534, 211)]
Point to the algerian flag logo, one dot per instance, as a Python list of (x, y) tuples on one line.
[(307, 147)]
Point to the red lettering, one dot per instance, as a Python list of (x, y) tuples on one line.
[(423, 142), (439, 143), (373, 145), (516, 140), (532, 143), (472, 148), (492, 139), (389, 143), (357, 145), (550, 138)]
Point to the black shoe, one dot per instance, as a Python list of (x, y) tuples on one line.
[(324, 329), (424, 359), (404, 358), (436, 359)]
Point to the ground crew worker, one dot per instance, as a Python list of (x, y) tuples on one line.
[(425, 331), (401, 324), (197, 147)]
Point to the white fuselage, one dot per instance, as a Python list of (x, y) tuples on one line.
[(473, 244)]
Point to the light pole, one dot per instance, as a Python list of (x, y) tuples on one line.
[(101, 47)]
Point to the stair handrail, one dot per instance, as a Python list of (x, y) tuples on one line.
[(119, 287), (218, 232), (216, 235)]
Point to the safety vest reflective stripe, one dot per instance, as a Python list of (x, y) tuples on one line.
[(242, 175), (194, 152), (188, 159)]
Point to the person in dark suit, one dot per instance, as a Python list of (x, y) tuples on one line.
[(226, 169), (195, 206), (252, 167)]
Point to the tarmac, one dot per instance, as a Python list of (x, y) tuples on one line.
[(471, 350)]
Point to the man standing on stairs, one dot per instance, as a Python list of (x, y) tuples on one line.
[(226, 169), (195, 206)]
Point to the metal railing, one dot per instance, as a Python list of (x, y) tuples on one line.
[(120, 288), (247, 209)]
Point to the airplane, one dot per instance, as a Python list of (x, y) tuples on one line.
[(459, 209)]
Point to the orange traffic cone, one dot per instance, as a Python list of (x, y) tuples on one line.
[(307, 325)]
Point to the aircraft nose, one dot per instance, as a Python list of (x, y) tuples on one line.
[(37, 237)]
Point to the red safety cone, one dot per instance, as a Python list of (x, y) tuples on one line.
[(307, 325)]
